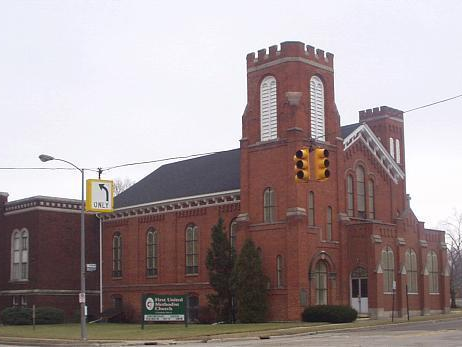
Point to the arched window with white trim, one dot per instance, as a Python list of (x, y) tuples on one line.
[(320, 277), (311, 208), (317, 109), (411, 270), (432, 267), (268, 109), (269, 205), (117, 255), (360, 192), (392, 148), (152, 252), (371, 200), (192, 250), (20, 255), (350, 196), (329, 224), (388, 267), (279, 272)]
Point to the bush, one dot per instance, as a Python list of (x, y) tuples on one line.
[(49, 315), (330, 314), (16, 316), (23, 316)]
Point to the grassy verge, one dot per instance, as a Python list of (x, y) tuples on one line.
[(114, 331)]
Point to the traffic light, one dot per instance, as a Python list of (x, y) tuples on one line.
[(321, 164), (302, 165)]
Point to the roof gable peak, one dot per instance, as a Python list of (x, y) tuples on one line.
[(364, 133)]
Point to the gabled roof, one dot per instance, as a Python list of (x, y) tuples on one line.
[(362, 132), (218, 172), (348, 129)]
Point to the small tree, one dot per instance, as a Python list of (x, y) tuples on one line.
[(453, 228), (251, 285), (220, 265), (122, 184)]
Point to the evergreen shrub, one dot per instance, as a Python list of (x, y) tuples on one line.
[(330, 314), (16, 316)]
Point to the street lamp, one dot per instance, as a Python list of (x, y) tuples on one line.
[(83, 326)]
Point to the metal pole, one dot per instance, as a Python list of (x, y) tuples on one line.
[(100, 170), (100, 266), (82, 299), (407, 302)]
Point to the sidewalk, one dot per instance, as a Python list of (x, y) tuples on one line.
[(361, 323)]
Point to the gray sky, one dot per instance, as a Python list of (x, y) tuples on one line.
[(102, 83)]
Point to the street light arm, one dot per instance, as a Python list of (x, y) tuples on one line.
[(68, 162), (46, 157)]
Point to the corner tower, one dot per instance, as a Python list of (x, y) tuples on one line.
[(388, 124), (290, 105)]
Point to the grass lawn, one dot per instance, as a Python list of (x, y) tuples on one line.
[(114, 331)]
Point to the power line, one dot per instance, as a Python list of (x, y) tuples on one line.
[(433, 103), (42, 168), (157, 160)]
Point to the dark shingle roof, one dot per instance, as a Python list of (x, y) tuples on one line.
[(348, 129), (212, 173)]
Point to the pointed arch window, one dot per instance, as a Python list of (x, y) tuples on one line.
[(320, 277), (279, 272), (317, 109), (411, 270), (311, 208), (269, 205), (152, 252), (398, 151), (388, 267), (192, 250), (329, 224), (370, 199), (360, 192), (392, 148), (268, 109), (232, 234), (117, 255), (432, 267), (350, 196), (20, 255)]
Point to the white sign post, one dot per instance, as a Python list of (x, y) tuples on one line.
[(100, 196)]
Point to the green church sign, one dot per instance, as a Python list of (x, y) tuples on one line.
[(163, 308)]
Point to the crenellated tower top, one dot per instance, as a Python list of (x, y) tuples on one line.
[(290, 50), (379, 112)]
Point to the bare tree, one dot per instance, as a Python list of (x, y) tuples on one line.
[(122, 184), (453, 228)]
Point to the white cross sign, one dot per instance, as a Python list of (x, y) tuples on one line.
[(100, 196)]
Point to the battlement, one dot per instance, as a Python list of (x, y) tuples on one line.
[(382, 111), (292, 49)]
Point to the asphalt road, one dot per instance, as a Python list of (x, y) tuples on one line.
[(431, 333), (446, 333)]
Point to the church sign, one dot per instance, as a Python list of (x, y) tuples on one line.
[(163, 308)]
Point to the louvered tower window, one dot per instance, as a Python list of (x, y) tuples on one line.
[(398, 152), (268, 109), (317, 109)]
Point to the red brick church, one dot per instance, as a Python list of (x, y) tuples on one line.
[(351, 239)]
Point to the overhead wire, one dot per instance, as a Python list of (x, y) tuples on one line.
[(101, 170)]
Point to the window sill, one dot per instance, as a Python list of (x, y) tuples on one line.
[(434, 293), (191, 275), (117, 278), (19, 281)]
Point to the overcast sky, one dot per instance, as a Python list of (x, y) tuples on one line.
[(103, 83)]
